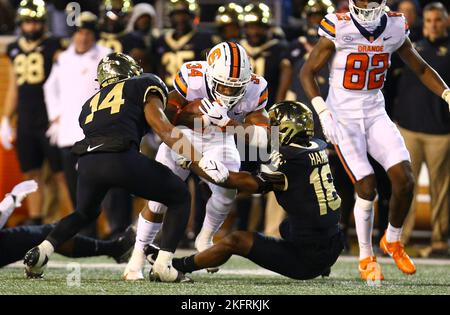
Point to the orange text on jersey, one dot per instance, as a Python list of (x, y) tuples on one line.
[(367, 48)]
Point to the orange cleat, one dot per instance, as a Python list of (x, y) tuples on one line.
[(397, 251), (370, 270)]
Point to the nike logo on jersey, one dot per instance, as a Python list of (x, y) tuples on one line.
[(89, 149), (387, 37)]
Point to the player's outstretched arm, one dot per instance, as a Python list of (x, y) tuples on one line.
[(177, 141), (319, 56), (429, 77)]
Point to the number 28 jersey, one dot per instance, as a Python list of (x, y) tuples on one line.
[(359, 65)]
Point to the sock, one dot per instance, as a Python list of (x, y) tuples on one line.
[(146, 232), (363, 213), (89, 247), (185, 264), (393, 234), (6, 208)]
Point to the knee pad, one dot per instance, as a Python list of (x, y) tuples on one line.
[(157, 207)]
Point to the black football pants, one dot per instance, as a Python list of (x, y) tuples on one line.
[(140, 176)]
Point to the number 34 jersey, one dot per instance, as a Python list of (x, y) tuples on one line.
[(359, 65)]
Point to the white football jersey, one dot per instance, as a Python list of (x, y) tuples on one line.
[(190, 82), (359, 66)]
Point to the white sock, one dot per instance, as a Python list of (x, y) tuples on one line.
[(363, 213), (393, 234), (46, 248), (6, 208), (146, 232)]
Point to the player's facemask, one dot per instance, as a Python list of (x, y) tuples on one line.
[(115, 67), (371, 13), (294, 121)]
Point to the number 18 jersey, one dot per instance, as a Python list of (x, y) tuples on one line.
[(359, 65)]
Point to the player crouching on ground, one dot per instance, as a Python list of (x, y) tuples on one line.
[(311, 240)]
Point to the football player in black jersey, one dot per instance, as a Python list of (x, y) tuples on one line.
[(31, 58), (310, 240), (267, 53), (228, 20), (114, 120), (114, 15), (182, 43)]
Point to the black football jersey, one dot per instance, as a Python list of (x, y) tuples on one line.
[(32, 66), (311, 200), (115, 114), (266, 61), (123, 43), (170, 54)]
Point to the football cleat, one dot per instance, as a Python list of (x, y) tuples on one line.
[(167, 273), (397, 251), (133, 270), (35, 263), (125, 245), (370, 270), (151, 253)]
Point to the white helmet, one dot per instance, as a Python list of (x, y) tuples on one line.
[(228, 72), (374, 10)]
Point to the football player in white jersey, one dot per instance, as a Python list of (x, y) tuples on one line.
[(232, 96), (358, 46)]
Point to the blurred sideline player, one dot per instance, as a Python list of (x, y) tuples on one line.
[(182, 43), (114, 16), (31, 59), (114, 120), (310, 240), (228, 22), (358, 46), (14, 242), (266, 52), (226, 76)]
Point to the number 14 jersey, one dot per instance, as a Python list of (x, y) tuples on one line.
[(359, 65)]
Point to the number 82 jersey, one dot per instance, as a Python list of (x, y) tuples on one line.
[(359, 65)]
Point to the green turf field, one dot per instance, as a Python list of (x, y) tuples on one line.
[(238, 276)]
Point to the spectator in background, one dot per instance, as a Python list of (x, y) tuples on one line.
[(424, 122), (411, 11), (6, 18), (142, 25)]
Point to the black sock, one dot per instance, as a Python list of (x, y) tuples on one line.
[(89, 247), (185, 264)]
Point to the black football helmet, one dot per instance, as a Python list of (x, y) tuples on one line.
[(115, 67), (294, 120)]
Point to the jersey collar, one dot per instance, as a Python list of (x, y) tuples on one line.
[(371, 36)]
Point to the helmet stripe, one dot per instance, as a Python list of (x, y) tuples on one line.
[(235, 60)]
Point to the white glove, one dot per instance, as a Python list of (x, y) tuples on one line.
[(182, 162), (214, 112), (330, 127), (52, 132), (446, 97), (6, 133), (20, 191), (214, 169)]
